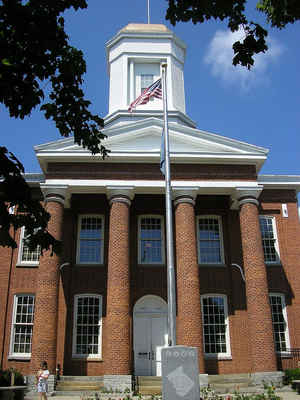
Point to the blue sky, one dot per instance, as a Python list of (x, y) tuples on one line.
[(261, 107)]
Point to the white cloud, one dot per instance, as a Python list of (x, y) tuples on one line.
[(219, 56)]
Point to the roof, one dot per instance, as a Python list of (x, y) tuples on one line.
[(145, 28)]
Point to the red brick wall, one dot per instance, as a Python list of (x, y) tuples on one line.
[(117, 337), (46, 303), (189, 318), (259, 313), (22, 280), (79, 280), (285, 278), (129, 171), (152, 279), (5, 271)]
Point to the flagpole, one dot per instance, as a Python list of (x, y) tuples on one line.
[(169, 221), (148, 4)]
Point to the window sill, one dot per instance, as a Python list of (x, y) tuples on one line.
[(19, 358), (89, 265), (284, 354), (151, 265), (84, 358), (27, 265), (219, 265), (218, 357), (273, 264)]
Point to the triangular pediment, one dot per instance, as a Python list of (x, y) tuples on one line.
[(142, 139)]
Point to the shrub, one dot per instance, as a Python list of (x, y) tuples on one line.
[(290, 375), (5, 377), (19, 378)]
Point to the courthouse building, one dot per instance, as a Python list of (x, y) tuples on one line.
[(101, 308)]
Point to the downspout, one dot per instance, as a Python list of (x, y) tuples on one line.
[(240, 269)]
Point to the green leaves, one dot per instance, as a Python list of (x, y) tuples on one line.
[(68, 108), (16, 194), (35, 49), (6, 62), (253, 43), (278, 13)]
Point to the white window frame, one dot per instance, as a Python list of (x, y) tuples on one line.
[(14, 324), (276, 245), (100, 262), (145, 67), (141, 79), (87, 356), (220, 355), (162, 262), (284, 313), (219, 219), (21, 248)]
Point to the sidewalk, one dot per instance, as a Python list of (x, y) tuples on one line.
[(284, 394), (291, 395)]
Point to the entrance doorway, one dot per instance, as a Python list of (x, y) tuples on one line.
[(150, 334)]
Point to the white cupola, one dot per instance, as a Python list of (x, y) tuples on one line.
[(134, 58)]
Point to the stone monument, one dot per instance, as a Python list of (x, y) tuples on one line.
[(180, 373)]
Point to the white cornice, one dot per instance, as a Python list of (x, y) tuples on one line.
[(90, 186), (139, 142), (145, 34), (147, 186), (145, 115), (34, 179), (150, 125), (280, 181)]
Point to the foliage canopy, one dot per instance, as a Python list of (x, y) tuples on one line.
[(38, 67), (278, 14)]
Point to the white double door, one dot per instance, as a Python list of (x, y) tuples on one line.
[(150, 336)]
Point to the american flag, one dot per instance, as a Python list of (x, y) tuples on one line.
[(153, 90)]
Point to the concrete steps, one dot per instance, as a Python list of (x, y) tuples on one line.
[(221, 384), (78, 385), (230, 383), (149, 385)]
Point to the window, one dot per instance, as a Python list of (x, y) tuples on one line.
[(151, 240), (145, 73), (215, 326), (22, 325), (27, 256), (87, 331), (90, 239), (269, 239), (210, 245), (146, 81), (280, 324)]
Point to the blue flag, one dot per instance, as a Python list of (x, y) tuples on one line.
[(163, 154)]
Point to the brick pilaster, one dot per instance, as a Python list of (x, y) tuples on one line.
[(118, 319), (46, 302), (259, 312), (189, 318)]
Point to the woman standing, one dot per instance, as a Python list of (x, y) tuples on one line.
[(42, 381)]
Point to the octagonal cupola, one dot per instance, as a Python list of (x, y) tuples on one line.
[(134, 57)]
